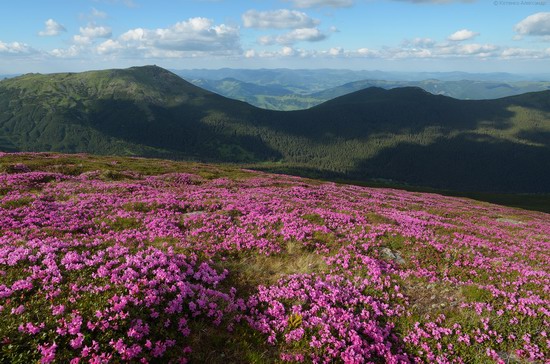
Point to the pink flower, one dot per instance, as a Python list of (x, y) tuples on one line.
[(47, 352)]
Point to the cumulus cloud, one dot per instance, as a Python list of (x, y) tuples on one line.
[(439, 51), (336, 51), (72, 51), (428, 48), (90, 33), (287, 51), (192, 35), (51, 28), (320, 3), (93, 31), (278, 19), (535, 24), (108, 46), (301, 34), (460, 35), (81, 40), (523, 53), (283, 52), (469, 49), (15, 48), (366, 52), (297, 35)]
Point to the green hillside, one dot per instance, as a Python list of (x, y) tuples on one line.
[(402, 135), (137, 111)]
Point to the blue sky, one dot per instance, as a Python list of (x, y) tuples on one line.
[(390, 35)]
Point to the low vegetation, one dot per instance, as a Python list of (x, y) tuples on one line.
[(111, 259)]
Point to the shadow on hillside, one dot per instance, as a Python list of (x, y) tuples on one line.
[(218, 129), (464, 164), (535, 136), (393, 111), (189, 130)]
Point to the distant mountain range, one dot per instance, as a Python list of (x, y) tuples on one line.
[(405, 135), (283, 89)]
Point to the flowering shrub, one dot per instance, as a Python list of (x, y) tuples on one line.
[(194, 264)]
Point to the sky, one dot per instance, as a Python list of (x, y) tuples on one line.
[(389, 35)]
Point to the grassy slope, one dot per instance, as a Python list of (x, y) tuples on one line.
[(405, 135), (428, 232)]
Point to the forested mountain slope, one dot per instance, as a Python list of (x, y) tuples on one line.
[(404, 134)]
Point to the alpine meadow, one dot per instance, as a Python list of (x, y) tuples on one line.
[(275, 181)]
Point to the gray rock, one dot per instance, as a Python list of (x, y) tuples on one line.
[(392, 255)]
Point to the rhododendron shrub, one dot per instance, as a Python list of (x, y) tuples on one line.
[(207, 264)]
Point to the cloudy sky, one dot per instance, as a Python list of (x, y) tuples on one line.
[(391, 35)]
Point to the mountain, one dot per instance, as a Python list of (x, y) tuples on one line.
[(234, 88), (408, 134), (271, 97), (401, 135), (463, 89), (309, 87), (314, 80), (140, 110)]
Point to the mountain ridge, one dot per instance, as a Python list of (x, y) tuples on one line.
[(403, 134)]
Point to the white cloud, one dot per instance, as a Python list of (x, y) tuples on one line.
[(460, 35), (366, 52), (419, 42), (474, 49), (439, 51), (523, 53), (187, 38), (535, 24), (81, 40), (336, 51), (70, 52), (109, 46), (287, 51), (320, 3), (93, 31), (15, 48), (90, 33), (297, 35), (434, 50), (278, 19), (52, 28)]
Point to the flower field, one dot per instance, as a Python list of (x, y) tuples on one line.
[(134, 260)]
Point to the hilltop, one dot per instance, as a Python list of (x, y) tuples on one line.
[(127, 259), (402, 135)]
